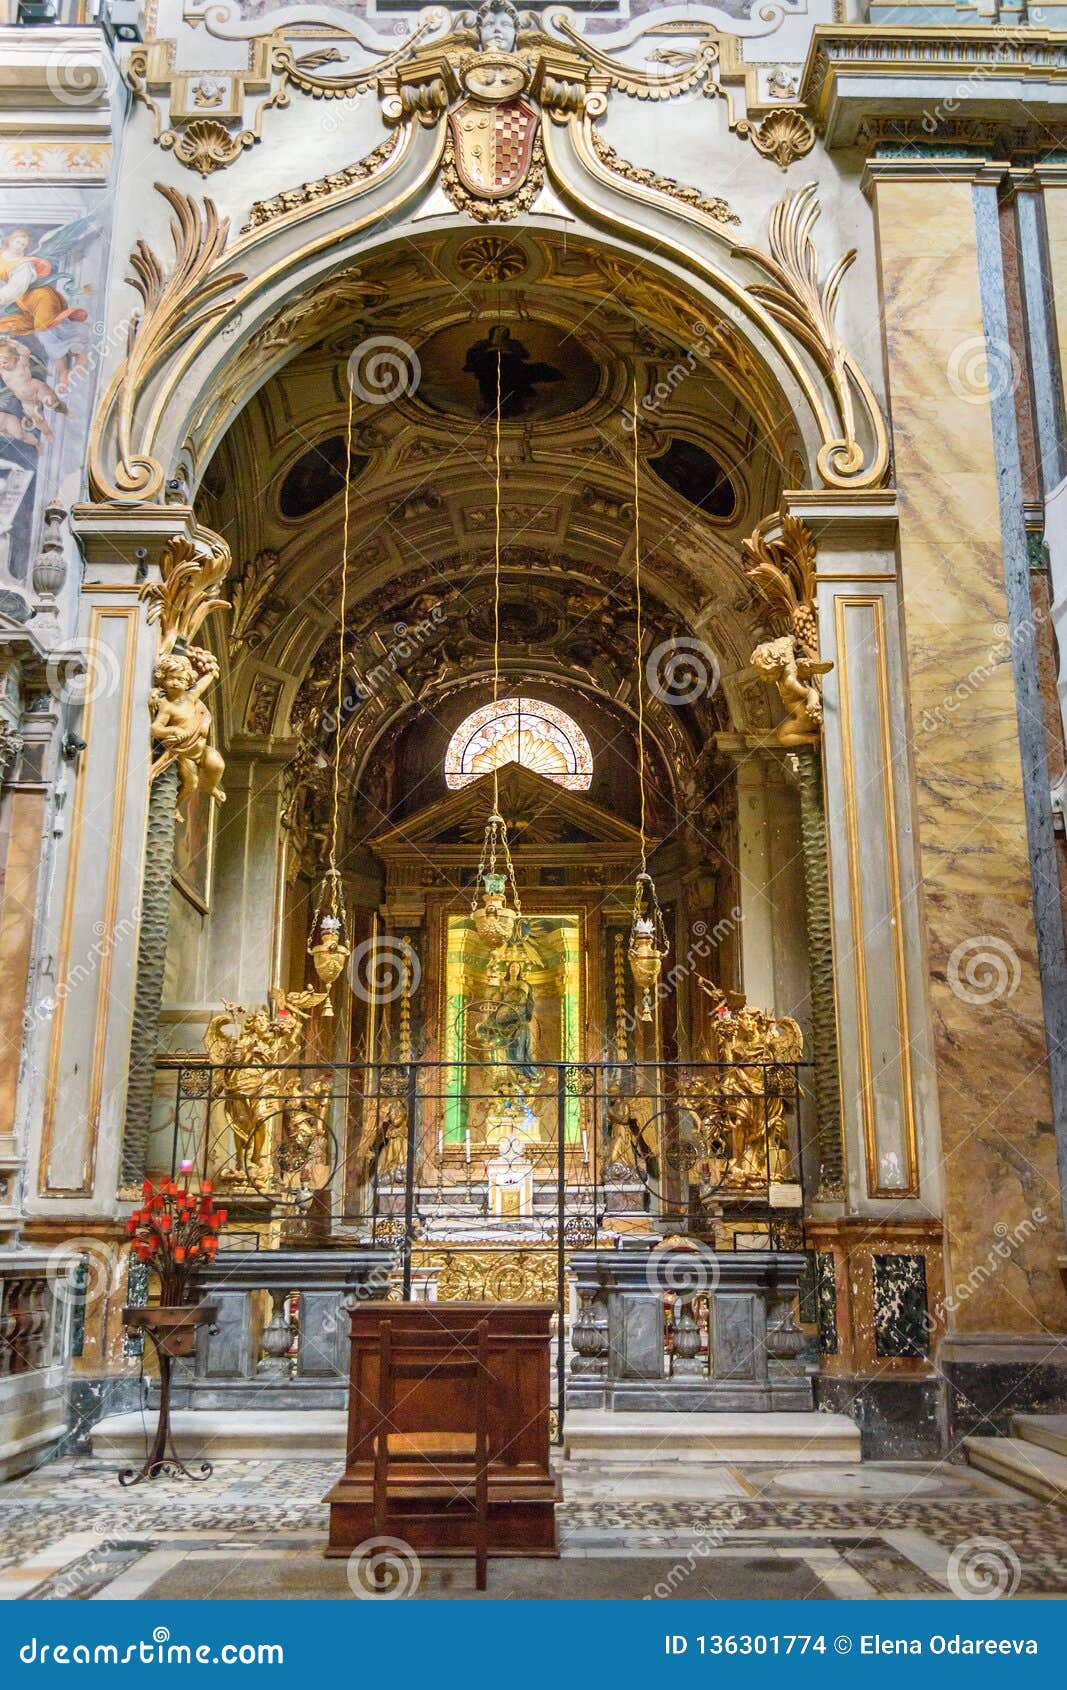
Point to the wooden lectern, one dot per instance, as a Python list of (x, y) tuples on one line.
[(428, 1479)]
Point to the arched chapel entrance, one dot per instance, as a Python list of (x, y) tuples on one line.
[(432, 615)]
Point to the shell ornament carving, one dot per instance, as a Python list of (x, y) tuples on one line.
[(206, 145)]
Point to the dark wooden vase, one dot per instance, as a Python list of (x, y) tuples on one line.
[(172, 1329)]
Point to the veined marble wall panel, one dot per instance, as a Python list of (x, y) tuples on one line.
[(868, 890), (983, 981), (95, 948)]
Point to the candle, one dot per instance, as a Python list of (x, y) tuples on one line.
[(468, 1144), (585, 1146), (440, 1143)]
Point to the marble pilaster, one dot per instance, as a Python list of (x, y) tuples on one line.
[(984, 990)]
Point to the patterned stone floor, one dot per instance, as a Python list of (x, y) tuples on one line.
[(256, 1528)]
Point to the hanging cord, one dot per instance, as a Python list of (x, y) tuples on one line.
[(496, 570), (496, 833), (333, 874), (639, 654)]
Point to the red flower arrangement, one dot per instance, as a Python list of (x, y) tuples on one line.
[(173, 1232)]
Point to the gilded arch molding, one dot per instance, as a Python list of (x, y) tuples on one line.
[(217, 294)]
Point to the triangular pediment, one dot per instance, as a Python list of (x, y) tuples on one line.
[(538, 812)]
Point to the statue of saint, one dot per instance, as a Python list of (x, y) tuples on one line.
[(506, 1030)]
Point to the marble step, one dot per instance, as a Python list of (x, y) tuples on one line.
[(590, 1434), (1027, 1466), (227, 1434), (1049, 1430)]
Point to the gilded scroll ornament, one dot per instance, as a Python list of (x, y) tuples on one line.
[(176, 303), (807, 307)]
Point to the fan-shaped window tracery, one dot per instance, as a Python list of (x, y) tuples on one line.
[(519, 730)]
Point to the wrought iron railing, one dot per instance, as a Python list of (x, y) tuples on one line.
[(363, 1144), (482, 1177)]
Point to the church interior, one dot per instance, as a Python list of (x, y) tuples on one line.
[(531, 837)]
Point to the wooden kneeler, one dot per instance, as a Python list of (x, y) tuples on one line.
[(444, 1444)]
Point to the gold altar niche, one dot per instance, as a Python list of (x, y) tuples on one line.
[(553, 994)]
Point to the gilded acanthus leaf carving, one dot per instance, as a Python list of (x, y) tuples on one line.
[(177, 302), (807, 308), (191, 568), (782, 570)]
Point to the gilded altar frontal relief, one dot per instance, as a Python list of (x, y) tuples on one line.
[(533, 873)]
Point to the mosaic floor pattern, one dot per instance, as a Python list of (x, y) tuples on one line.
[(256, 1528)]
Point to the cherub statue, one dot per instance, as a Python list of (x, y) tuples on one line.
[(181, 723), (789, 666), (497, 23)]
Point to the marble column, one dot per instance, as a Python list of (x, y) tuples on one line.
[(975, 893)]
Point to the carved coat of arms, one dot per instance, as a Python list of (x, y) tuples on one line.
[(494, 144)]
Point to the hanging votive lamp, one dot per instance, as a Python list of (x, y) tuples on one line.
[(494, 918), (648, 944), (328, 945)]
